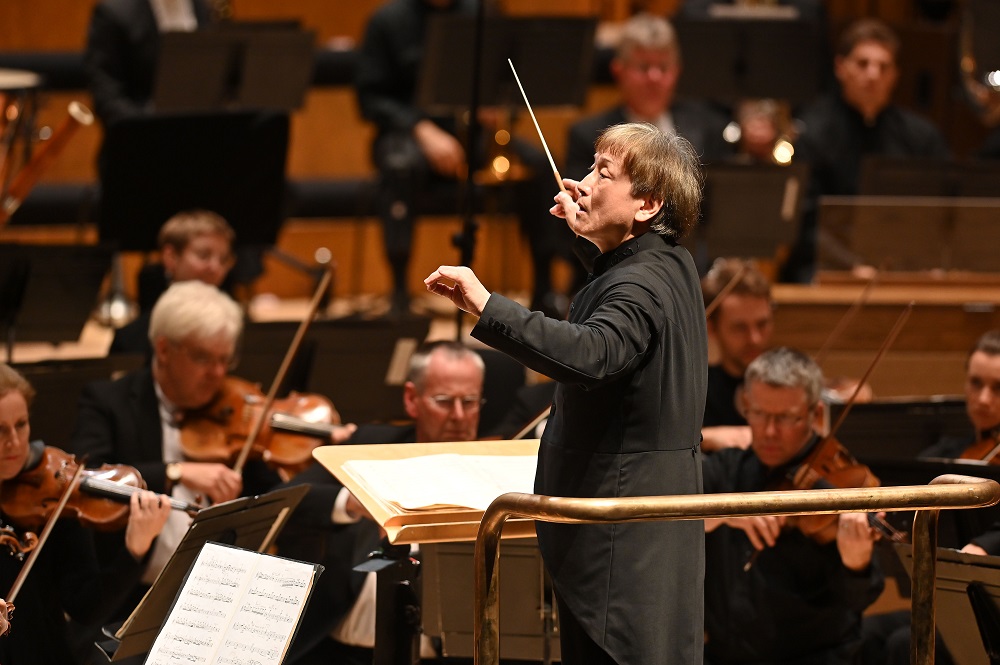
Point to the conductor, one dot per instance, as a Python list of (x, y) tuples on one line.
[(630, 362)]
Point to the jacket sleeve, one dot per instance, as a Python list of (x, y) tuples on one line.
[(105, 62)]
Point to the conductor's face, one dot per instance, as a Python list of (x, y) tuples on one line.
[(608, 210), (781, 421), (447, 407), (15, 430), (982, 390), (192, 371)]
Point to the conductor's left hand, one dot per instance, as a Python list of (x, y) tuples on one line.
[(467, 292)]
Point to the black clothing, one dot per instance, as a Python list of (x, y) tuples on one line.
[(133, 338), (68, 579), (388, 67), (833, 142), (120, 58), (720, 403), (796, 604), (625, 422)]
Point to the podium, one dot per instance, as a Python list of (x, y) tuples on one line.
[(446, 535)]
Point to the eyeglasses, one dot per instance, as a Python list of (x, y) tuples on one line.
[(205, 359), (470, 403), (784, 420)]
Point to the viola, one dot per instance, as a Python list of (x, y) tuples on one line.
[(100, 501), (292, 427)]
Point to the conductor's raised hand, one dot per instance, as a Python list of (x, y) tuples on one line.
[(460, 285), (566, 205)]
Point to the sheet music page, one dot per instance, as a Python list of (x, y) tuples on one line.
[(237, 607), (468, 481)]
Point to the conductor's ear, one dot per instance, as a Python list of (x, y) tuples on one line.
[(649, 210)]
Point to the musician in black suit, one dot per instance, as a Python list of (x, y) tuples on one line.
[(135, 420), (442, 395), (123, 43), (646, 68)]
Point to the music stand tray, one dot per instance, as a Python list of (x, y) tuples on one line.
[(251, 523), (956, 619)]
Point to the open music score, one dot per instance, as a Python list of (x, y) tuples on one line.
[(236, 607), (434, 492)]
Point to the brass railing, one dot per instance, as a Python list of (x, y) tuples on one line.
[(950, 491)]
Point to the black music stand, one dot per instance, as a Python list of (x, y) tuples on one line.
[(967, 592), (47, 292), (231, 163), (728, 59), (929, 176), (552, 55), (750, 210), (241, 65), (251, 523)]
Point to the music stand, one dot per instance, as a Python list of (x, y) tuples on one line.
[(751, 210), (47, 292), (235, 66), (230, 163), (552, 55), (728, 59), (967, 589), (889, 430), (928, 176), (251, 523)]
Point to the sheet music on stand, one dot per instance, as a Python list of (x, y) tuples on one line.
[(437, 522), (236, 606), (250, 523)]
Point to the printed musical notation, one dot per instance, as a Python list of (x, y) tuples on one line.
[(236, 608)]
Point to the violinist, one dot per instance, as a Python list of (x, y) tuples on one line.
[(982, 403), (442, 394), (801, 600), (67, 579), (138, 419), (740, 326)]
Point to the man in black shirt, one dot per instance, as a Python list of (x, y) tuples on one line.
[(773, 594), (740, 326), (861, 120)]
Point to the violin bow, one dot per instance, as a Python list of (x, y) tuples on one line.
[(49, 525), (726, 290), (846, 319), (552, 162), (293, 348), (530, 427), (886, 343)]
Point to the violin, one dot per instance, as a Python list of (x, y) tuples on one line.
[(830, 465), (100, 501), (292, 427), (17, 545), (985, 449)]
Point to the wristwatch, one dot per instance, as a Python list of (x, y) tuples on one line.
[(173, 473)]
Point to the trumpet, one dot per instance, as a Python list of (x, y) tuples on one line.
[(28, 176)]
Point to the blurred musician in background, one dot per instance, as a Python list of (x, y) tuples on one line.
[(840, 130), (646, 67), (414, 149), (122, 48), (443, 394), (740, 327), (982, 403), (800, 599), (194, 244), (69, 582)]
